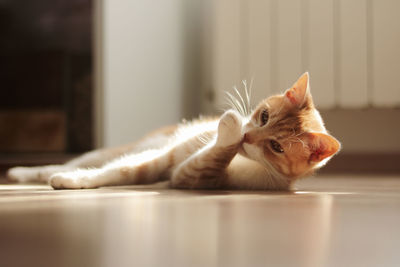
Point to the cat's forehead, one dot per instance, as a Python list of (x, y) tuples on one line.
[(275, 101), (300, 120)]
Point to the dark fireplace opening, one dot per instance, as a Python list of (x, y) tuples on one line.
[(46, 75)]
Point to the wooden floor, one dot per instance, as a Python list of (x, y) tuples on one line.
[(328, 221)]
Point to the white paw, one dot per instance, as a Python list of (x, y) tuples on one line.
[(230, 129), (77, 179)]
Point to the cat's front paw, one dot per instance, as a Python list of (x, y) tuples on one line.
[(230, 129), (78, 179)]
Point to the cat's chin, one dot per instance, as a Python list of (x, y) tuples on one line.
[(248, 151), (242, 152)]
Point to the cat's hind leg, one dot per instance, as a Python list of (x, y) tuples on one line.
[(42, 174), (142, 168), (92, 159), (206, 169)]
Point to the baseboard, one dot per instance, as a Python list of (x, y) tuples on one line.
[(364, 163)]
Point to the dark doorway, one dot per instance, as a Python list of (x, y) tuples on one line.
[(46, 76)]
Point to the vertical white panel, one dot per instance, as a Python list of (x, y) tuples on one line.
[(288, 44), (98, 109), (353, 53), (143, 69), (386, 52), (320, 51), (206, 56), (259, 48), (226, 52)]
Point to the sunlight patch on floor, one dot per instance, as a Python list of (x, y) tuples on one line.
[(323, 193), (73, 195), (24, 187)]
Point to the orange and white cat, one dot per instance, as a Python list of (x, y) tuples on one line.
[(282, 140)]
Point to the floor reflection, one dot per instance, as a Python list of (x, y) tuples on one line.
[(234, 230), (319, 225)]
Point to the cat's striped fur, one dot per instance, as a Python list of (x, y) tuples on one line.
[(282, 140)]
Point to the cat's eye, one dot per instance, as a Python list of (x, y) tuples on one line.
[(264, 117), (276, 146)]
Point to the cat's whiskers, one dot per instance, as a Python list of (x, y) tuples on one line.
[(247, 91), (239, 103), (204, 138), (297, 140), (245, 112), (235, 104)]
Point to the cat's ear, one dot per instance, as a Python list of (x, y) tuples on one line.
[(299, 94), (322, 146)]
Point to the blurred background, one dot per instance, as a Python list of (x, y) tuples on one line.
[(82, 74)]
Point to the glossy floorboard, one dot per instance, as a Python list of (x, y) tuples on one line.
[(327, 221)]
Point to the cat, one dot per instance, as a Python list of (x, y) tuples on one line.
[(282, 140)]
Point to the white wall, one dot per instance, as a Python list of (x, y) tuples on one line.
[(142, 67), (157, 65)]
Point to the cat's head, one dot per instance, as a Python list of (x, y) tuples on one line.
[(286, 133)]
